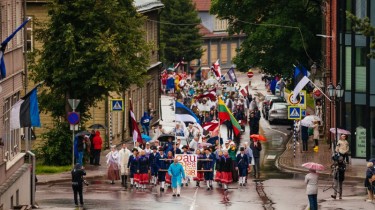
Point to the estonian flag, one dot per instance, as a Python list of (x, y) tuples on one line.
[(184, 114), (25, 113), (301, 80), (3, 46), (232, 75)]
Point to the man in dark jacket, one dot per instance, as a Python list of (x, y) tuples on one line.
[(256, 147), (304, 137), (338, 168), (92, 152), (77, 183)]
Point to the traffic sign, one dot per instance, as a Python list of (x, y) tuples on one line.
[(301, 102), (117, 105), (293, 102), (73, 118), (250, 74), (74, 103), (294, 112), (303, 112)]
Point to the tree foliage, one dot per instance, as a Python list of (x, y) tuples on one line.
[(279, 33), (179, 32), (364, 27), (90, 48)]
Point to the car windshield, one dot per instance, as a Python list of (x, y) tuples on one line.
[(279, 106)]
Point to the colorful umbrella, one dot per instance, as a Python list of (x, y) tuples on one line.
[(313, 166), (97, 126), (258, 137), (340, 131), (308, 121)]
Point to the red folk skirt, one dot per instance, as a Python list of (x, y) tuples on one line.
[(199, 177), (218, 176), (167, 178), (137, 178), (113, 172), (226, 177), (143, 178)]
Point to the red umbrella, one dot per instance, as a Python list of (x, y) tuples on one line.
[(258, 137), (313, 166)]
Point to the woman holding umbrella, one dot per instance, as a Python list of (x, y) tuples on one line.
[(311, 181), (342, 147)]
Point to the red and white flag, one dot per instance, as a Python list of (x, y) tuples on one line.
[(216, 69), (210, 126), (134, 126), (243, 92)]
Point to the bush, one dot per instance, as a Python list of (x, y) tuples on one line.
[(57, 146)]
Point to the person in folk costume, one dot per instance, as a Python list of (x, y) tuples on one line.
[(218, 174), (168, 163), (163, 166), (148, 149), (232, 151), (143, 166), (199, 176), (132, 167), (208, 165), (124, 155), (154, 167), (226, 169), (242, 166), (177, 173), (112, 162)]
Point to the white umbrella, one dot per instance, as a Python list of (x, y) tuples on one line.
[(309, 120)]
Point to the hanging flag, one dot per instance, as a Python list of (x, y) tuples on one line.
[(210, 126), (215, 68), (225, 114), (243, 92), (184, 114), (3, 46), (25, 113), (232, 75), (301, 80), (137, 137)]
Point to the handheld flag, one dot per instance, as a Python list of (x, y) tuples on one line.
[(3, 47), (137, 137), (301, 80), (25, 113), (184, 114), (216, 69), (232, 75), (225, 114)]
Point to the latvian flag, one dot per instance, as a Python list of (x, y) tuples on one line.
[(301, 80), (211, 94), (215, 68), (137, 137), (184, 114), (210, 126), (25, 113)]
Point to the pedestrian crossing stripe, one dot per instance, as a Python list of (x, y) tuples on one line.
[(117, 105), (294, 112)]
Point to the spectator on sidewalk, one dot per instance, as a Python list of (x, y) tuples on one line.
[(77, 183), (311, 181), (304, 137), (339, 168), (145, 122), (342, 147), (80, 149), (256, 147), (370, 186), (316, 134), (97, 142), (92, 150)]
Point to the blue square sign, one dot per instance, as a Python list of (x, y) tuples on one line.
[(294, 113), (117, 105)]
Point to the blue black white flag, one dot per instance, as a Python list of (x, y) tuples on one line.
[(232, 75), (184, 114), (301, 80)]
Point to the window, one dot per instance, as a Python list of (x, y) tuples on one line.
[(220, 25), (30, 36), (18, 21), (233, 50), (12, 141), (213, 52), (224, 53), (204, 60), (360, 69)]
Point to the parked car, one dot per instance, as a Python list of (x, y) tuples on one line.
[(266, 103), (278, 112)]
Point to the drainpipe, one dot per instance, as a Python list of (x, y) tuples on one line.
[(32, 156)]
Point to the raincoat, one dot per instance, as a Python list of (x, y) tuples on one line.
[(176, 171)]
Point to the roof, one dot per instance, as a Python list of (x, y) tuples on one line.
[(143, 6), (202, 5), (209, 34)]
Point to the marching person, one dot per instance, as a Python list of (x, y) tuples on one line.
[(77, 183), (208, 166), (177, 173), (124, 155), (226, 170), (154, 166), (232, 154), (339, 168), (132, 168), (143, 166), (148, 149), (256, 147), (112, 162), (163, 167), (343, 147), (199, 176), (169, 163), (242, 166), (218, 174)]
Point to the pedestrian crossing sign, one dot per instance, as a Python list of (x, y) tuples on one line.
[(117, 105), (294, 112)]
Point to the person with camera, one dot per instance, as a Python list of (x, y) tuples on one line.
[(77, 183), (338, 168)]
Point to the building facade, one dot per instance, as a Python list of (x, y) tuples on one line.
[(355, 71), (217, 42), (15, 186)]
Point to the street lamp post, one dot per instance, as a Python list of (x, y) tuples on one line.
[(336, 94)]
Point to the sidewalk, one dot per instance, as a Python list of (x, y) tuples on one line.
[(288, 162)]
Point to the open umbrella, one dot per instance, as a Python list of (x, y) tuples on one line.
[(146, 138), (258, 137), (82, 133), (313, 166), (340, 131), (308, 121), (164, 137), (97, 126)]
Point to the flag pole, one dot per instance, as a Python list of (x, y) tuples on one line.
[(218, 119), (175, 132), (131, 108)]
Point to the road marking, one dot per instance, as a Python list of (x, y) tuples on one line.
[(269, 127), (192, 206)]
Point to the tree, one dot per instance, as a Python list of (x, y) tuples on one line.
[(279, 33), (90, 48), (364, 27), (179, 32)]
